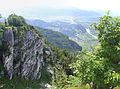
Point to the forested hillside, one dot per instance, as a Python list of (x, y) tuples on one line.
[(29, 61), (59, 40)]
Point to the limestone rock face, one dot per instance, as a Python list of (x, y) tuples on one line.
[(8, 42), (24, 56)]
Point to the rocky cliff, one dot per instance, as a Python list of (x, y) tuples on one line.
[(23, 52), (28, 59)]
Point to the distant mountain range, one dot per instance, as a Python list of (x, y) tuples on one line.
[(70, 22), (66, 12), (66, 28), (75, 30)]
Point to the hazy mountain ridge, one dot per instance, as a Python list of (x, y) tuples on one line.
[(63, 27), (74, 30), (73, 12), (59, 40)]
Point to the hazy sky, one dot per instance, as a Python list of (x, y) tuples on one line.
[(27, 7)]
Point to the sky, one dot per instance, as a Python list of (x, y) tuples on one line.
[(32, 7)]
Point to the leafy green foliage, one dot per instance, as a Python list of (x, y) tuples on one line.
[(109, 37), (14, 20), (19, 83), (101, 69), (62, 59), (1, 33), (0, 16)]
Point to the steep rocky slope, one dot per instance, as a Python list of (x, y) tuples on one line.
[(22, 52), (27, 61)]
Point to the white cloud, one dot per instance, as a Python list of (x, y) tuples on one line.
[(23, 6), (27, 6), (113, 5)]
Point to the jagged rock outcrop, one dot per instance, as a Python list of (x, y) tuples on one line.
[(24, 56)]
